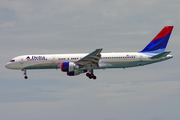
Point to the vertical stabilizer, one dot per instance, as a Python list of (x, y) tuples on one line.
[(159, 43)]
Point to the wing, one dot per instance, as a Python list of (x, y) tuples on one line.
[(92, 58)]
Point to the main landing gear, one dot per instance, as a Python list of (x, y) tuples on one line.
[(91, 75), (25, 77)]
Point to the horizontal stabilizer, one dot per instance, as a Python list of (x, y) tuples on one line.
[(164, 54)]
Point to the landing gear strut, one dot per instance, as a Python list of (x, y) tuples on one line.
[(91, 75), (25, 77)]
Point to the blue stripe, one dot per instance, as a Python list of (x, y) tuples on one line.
[(157, 45), (65, 67)]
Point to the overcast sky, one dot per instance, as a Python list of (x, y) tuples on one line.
[(150, 92)]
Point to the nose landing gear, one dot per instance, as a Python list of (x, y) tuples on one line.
[(25, 77)]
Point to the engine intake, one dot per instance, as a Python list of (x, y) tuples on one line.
[(68, 66)]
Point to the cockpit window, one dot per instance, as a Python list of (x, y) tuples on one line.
[(12, 61)]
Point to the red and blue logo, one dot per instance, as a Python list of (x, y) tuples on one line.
[(28, 58), (159, 43)]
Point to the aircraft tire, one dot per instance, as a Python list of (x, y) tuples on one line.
[(88, 75), (25, 77)]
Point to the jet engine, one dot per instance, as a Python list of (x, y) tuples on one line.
[(69, 67), (73, 73)]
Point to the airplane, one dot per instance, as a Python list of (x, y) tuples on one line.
[(75, 64)]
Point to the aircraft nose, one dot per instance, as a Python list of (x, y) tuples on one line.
[(7, 65)]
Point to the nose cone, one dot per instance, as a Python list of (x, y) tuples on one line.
[(8, 66), (14, 65)]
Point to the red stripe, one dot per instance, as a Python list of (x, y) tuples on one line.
[(165, 31), (62, 66)]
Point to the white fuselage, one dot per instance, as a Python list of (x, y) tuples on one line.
[(108, 60)]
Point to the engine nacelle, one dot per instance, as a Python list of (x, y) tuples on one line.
[(68, 66), (73, 73)]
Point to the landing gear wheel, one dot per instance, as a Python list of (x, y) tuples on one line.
[(91, 76), (94, 77), (25, 77), (88, 75)]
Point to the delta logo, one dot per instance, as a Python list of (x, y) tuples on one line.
[(36, 58), (28, 58)]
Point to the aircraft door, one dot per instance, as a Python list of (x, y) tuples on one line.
[(21, 61), (54, 60), (141, 58)]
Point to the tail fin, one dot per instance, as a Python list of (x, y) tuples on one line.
[(158, 44)]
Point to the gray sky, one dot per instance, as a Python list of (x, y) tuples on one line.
[(77, 26)]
